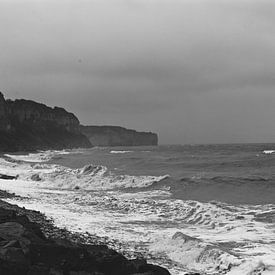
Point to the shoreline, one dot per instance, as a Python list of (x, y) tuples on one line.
[(31, 244)]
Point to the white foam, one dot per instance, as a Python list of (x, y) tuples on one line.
[(120, 152), (195, 254), (90, 177), (42, 156), (268, 152)]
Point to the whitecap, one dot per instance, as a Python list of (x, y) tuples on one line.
[(120, 152), (41, 156), (268, 152)]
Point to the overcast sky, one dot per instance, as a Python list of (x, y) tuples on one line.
[(195, 71)]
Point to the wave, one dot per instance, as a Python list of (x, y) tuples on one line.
[(252, 189), (200, 256), (41, 156), (90, 177), (32, 167), (120, 152), (226, 179), (268, 152)]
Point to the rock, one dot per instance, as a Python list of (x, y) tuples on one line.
[(13, 243), (7, 177), (28, 125), (6, 215), (24, 250), (142, 267), (13, 254), (35, 177), (12, 268), (12, 231), (39, 268), (186, 238)]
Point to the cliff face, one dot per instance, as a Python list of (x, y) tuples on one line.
[(118, 136), (28, 125)]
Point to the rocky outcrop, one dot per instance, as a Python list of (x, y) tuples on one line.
[(25, 250), (118, 136), (28, 125)]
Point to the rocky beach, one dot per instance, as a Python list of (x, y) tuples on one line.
[(31, 244)]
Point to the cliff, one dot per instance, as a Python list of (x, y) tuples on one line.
[(28, 125), (118, 136)]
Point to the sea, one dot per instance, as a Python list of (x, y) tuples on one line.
[(190, 208)]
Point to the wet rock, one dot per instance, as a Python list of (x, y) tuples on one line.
[(25, 250), (186, 238), (142, 267), (35, 177), (7, 177), (39, 268), (12, 268), (13, 254), (6, 215)]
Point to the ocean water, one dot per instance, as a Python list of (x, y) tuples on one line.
[(201, 208)]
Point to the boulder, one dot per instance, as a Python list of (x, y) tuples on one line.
[(35, 177), (8, 177), (24, 250)]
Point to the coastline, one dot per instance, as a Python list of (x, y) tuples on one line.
[(32, 244)]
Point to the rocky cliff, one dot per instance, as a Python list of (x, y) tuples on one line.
[(118, 136), (28, 125)]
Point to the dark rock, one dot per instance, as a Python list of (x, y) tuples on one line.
[(7, 177), (28, 125), (13, 254), (142, 267), (40, 269), (6, 215), (25, 250), (13, 243), (35, 177), (12, 268)]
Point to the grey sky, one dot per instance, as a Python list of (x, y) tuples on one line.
[(195, 71)]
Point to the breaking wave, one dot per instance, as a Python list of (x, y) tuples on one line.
[(120, 152), (197, 255), (268, 152), (90, 177), (41, 156)]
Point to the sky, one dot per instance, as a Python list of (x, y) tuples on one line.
[(194, 71)]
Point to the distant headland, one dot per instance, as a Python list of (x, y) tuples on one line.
[(27, 125)]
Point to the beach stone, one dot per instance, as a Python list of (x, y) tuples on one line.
[(13, 243), (12, 268), (36, 177), (7, 177), (182, 236), (13, 254), (11, 231), (14, 231), (24, 250), (6, 215), (40, 269), (142, 267)]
